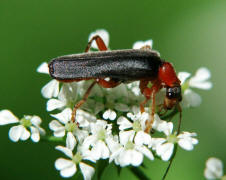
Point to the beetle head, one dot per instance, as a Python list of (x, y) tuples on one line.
[(173, 96)]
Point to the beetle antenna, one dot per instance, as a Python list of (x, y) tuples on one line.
[(175, 149)]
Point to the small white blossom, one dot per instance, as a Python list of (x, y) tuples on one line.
[(63, 124), (214, 169), (68, 167), (164, 146), (103, 34), (128, 152), (21, 132), (95, 146), (137, 126), (51, 89), (109, 114), (200, 80)]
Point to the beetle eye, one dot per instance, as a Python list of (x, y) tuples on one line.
[(174, 93)]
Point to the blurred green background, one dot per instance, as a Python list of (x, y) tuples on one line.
[(190, 34)]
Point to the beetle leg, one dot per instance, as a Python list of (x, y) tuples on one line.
[(149, 93), (82, 101), (155, 88), (101, 47), (108, 84), (144, 90), (100, 43)]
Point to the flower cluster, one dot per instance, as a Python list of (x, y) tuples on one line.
[(109, 125)]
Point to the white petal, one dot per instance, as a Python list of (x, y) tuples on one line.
[(35, 137), (15, 133), (200, 79), (25, 134), (126, 136), (100, 151), (142, 138), (136, 158), (54, 125), (183, 76), (70, 141), (35, 120), (145, 151), (7, 117), (59, 130), (191, 99), (65, 150), (43, 68), (156, 142), (165, 151), (69, 171), (87, 170), (186, 144), (64, 116), (168, 129), (51, 89), (62, 163), (103, 34), (214, 168), (59, 133), (53, 104), (124, 123), (131, 156), (162, 126), (67, 167), (140, 44)]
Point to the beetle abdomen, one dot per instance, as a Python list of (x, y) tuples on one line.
[(120, 64)]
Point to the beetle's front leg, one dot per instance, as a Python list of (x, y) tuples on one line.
[(149, 93)]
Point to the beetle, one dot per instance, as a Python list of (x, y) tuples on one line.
[(120, 66)]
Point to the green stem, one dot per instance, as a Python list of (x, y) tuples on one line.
[(138, 173), (52, 139)]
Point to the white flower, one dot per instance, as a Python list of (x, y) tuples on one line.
[(51, 89), (68, 167), (94, 146), (214, 169), (66, 97), (160, 125), (164, 146), (128, 152), (140, 44), (64, 124), (200, 80), (21, 132), (137, 126), (109, 114), (103, 34)]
